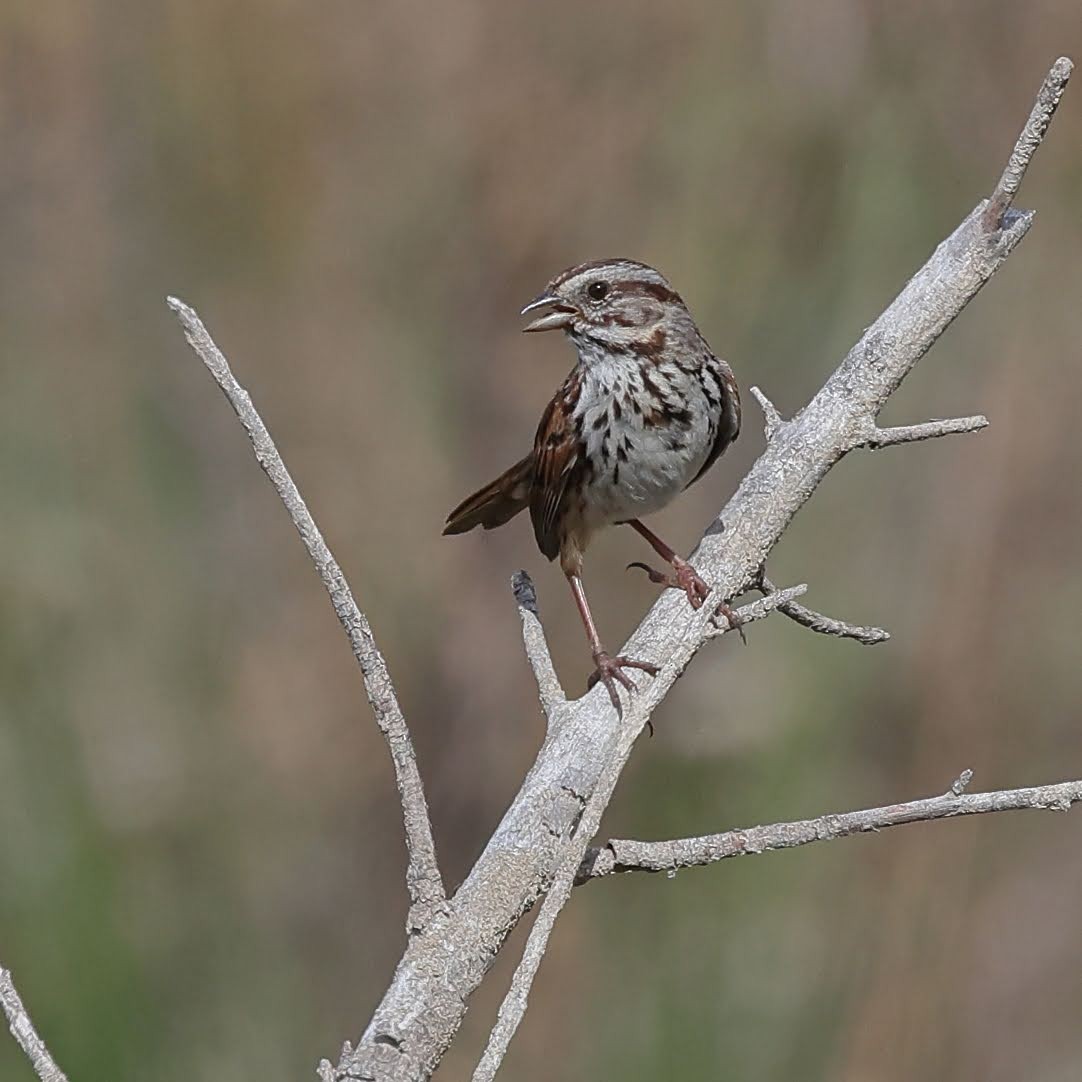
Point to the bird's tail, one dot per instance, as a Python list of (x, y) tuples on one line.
[(497, 502)]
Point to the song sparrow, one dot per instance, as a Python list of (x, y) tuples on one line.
[(646, 412)]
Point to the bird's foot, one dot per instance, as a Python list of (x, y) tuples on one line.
[(610, 670), (684, 577)]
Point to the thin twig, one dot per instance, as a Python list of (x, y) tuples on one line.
[(876, 438), (22, 1029), (1055, 82), (422, 873), (772, 420), (961, 783), (634, 856), (549, 688), (823, 625)]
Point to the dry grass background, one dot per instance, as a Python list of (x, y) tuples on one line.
[(200, 858)]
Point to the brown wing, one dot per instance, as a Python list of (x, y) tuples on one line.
[(555, 453), (729, 422), (497, 502)]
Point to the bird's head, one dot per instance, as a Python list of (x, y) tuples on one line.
[(614, 303)]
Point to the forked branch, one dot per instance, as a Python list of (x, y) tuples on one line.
[(799, 454), (513, 1007), (540, 843)]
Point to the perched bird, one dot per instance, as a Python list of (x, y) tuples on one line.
[(645, 412)]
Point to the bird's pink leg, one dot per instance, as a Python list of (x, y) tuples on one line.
[(609, 668), (684, 576)]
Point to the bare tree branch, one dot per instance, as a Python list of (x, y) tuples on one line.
[(549, 688), (22, 1029), (422, 874), (1055, 82), (541, 839), (824, 625), (621, 855), (540, 843), (875, 438)]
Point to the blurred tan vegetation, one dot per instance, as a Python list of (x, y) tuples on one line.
[(201, 857)]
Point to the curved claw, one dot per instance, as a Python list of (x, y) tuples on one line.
[(685, 578), (651, 573), (732, 618)]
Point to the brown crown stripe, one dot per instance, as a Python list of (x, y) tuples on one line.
[(598, 264)]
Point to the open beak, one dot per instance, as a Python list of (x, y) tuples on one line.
[(560, 318)]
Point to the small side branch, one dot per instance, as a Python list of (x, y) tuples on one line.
[(22, 1029), (772, 419), (422, 874), (823, 625), (961, 783), (755, 610), (549, 688), (635, 856), (1055, 82), (875, 437)]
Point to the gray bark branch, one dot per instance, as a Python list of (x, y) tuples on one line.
[(540, 843), (875, 438), (837, 420), (824, 625), (422, 873), (22, 1029), (621, 855), (538, 839), (1044, 108)]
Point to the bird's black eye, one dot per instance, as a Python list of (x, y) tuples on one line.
[(597, 290)]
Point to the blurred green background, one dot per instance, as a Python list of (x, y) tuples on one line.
[(201, 855)]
